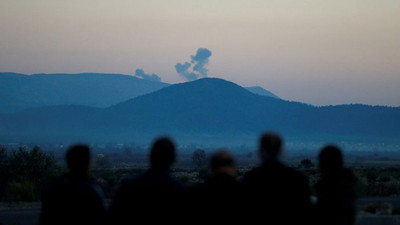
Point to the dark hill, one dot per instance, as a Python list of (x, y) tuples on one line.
[(19, 91), (207, 105)]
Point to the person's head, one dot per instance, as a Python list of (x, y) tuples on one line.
[(330, 159), (270, 145), (78, 160), (162, 154), (222, 162)]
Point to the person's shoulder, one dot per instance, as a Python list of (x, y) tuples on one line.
[(93, 186), (254, 171), (296, 173), (253, 175), (53, 188), (347, 177), (58, 183), (348, 173), (164, 178), (130, 183), (176, 184), (148, 178), (196, 191), (82, 187)]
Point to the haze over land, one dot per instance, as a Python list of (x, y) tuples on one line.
[(208, 110)]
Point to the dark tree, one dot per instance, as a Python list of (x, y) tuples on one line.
[(3, 171), (199, 158), (103, 161), (306, 163), (27, 172)]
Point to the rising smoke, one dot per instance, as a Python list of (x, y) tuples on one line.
[(153, 77), (196, 68)]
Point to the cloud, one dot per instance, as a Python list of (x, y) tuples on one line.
[(153, 77), (196, 68)]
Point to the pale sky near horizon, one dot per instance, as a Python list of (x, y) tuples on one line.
[(312, 51)]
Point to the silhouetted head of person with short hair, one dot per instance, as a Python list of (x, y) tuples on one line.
[(330, 159), (270, 146), (162, 154), (78, 160), (336, 189), (73, 198), (222, 162)]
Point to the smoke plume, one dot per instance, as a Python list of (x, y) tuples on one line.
[(153, 77), (196, 68)]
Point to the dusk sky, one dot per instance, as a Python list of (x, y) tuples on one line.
[(313, 51)]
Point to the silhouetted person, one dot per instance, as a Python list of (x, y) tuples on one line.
[(217, 198), (273, 192), (335, 189), (151, 196), (73, 198)]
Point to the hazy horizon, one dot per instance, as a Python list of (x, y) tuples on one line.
[(322, 53)]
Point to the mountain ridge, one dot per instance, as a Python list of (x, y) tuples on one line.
[(261, 91), (20, 91), (209, 107)]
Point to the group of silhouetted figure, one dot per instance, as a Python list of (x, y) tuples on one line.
[(271, 193)]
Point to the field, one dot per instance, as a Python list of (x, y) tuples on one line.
[(378, 175)]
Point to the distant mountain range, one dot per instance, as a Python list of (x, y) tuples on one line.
[(20, 91), (208, 109)]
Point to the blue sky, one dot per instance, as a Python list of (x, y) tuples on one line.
[(318, 52)]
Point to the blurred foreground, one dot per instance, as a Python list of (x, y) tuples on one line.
[(28, 213)]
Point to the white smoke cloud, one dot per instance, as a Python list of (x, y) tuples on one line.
[(153, 77)]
